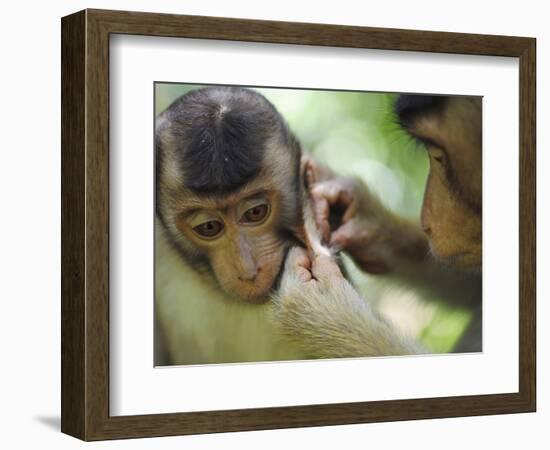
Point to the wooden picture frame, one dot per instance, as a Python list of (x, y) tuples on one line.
[(85, 224)]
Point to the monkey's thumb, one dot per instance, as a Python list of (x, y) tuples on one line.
[(325, 268)]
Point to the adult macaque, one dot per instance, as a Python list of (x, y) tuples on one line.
[(229, 205), (318, 309)]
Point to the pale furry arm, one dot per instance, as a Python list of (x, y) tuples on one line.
[(320, 311)]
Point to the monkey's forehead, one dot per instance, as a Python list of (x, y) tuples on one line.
[(189, 199)]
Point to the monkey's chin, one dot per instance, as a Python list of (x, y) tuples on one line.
[(258, 300), (251, 294), (467, 261), (254, 298)]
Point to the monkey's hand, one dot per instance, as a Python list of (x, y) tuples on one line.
[(320, 311), (372, 235)]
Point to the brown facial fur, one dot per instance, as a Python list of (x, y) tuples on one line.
[(451, 212), (245, 260)]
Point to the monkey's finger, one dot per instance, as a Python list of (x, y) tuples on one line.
[(299, 263), (350, 212), (341, 238), (304, 275), (325, 268), (330, 190), (337, 194), (327, 196), (298, 257)]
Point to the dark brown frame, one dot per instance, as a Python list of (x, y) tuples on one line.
[(85, 224)]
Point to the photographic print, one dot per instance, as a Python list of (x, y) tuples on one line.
[(309, 228), (295, 224)]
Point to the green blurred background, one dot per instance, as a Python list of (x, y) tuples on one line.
[(355, 133)]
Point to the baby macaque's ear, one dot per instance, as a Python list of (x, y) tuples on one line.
[(313, 171)]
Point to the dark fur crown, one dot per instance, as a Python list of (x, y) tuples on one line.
[(220, 134)]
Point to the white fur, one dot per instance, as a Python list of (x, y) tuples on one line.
[(201, 325), (329, 319)]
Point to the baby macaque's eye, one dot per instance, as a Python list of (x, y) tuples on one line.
[(209, 229), (255, 214)]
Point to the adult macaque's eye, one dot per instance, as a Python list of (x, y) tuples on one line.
[(438, 155), (209, 229), (255, 214)]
